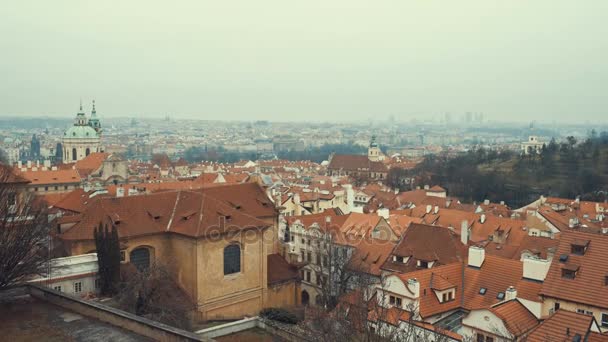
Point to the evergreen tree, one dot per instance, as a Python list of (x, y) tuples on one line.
[(108, 258)]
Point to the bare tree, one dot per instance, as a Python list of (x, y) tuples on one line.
[(153, 293), (24, 231)]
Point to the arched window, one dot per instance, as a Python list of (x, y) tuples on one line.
[(232, 259), (140, 257), (88, 151), (74, 157)]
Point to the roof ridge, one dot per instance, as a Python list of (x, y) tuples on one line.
[(174, 210)]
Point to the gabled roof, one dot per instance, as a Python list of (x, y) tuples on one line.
[(562, 326), (495, 275), (90, 163), (516, 317), (369, 255), (427, 243), (588, 286), (190, 213)]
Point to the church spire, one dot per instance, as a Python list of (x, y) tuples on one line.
[(93, 112)]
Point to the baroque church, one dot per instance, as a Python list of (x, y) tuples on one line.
[(83, 138)]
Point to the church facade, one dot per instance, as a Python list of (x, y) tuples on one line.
[(83, 138)]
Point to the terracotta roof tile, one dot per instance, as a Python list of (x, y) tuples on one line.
[(50, 177), (588, 286), (562, 326), (517, 318)]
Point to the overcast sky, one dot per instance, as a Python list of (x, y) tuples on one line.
[(306, 60)]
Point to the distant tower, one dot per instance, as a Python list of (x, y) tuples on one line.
[(373, 151), (81, 139), (35, 147), (94, 120), (59, 153)]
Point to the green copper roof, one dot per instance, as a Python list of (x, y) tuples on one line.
[(80, 132)]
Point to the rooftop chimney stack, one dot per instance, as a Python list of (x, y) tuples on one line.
[(477, 255), (535, 268), (464, 232), (429, 208), (486, 202), (436, 210), (511, 293), (482, 219)]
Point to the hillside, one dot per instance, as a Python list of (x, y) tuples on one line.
[(566, 169)]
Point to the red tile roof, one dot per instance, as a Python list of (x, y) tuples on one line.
[(427, 243), (562, 326), (517, 318), (90, 163), (190, 213), (51, 177), (280, 271), (588, 286), (351, 162)]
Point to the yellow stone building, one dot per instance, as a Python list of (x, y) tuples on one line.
[(218, 242)]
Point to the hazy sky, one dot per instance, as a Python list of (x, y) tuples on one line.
[(313, 59)]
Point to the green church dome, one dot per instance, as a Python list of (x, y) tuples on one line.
[(80, 132)]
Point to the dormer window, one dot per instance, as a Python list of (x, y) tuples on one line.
[(569, 271), (579, 247), (606, 280), (398, 259), (423, 264)]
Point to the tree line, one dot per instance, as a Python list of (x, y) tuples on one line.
[(567, 169)]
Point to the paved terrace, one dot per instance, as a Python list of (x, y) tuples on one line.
[(29, 319)]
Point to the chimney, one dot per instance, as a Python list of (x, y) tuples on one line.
[(447, 203), (29, 164), (54, 168), (296, 198), (464, 232), (120, 191), (383, 212), (396, 191), (429, 208), (486, 202), (47, 163), (511, 293), (414, 286), (571, 223), (38, 163), (19, 164), (476, 256), (482, 219), (535, 268), (436, 209), (502, 202), (426, 187), (605, 230)]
